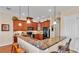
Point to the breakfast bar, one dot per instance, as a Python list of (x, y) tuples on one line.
[(32, 46)]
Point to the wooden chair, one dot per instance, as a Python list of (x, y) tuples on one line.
[(15, 46), (19, 49), (65, 48), (15, 43)]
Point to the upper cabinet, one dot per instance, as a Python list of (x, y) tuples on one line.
[(45, 24), (32, 26), (19, 25)]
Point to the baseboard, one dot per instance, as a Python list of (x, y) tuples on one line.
[(5, 44)]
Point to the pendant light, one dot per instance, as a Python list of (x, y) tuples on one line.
[(20, 24), (20, 12), (39, 24), (54, 23), (29, 19)]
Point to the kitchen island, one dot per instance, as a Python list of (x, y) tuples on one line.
[(38, 46)]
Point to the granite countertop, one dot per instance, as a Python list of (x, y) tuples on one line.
[(41, 44), (36, 32)]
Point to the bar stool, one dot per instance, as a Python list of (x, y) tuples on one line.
[(14, 45)]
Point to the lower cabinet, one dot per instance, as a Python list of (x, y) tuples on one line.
[(39, 36)]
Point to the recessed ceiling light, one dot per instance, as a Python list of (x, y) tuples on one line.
[(23, 14), (49, 10), (43, 16), (38, 17)]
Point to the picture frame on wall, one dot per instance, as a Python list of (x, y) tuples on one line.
[(5, 27)]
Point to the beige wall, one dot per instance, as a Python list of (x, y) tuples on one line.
[(6, 37)]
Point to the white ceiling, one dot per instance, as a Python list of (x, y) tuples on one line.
[(40, 12)]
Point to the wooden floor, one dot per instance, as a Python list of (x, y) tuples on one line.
[(5, 49)]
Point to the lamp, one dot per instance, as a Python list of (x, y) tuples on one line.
[(54, 23), (20, 12), (29, 19)]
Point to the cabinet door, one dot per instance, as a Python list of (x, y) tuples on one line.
[(19, 25)]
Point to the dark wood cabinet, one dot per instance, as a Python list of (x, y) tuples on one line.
[(33, 26), (20, 25), (45, 24), (39, 36)]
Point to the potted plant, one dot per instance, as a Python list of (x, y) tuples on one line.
[(15, 18)]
